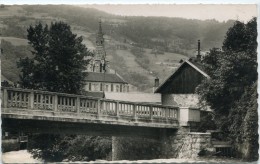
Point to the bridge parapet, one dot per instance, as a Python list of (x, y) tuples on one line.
[(83, 107)]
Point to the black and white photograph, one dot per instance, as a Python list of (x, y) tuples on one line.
[(128, 83)]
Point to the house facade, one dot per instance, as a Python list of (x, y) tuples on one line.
[(105, 82), (179, 90)]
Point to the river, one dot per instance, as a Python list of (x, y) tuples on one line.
[(22, 156)]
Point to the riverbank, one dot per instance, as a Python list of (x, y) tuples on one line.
[(174, 160), (22, 156)]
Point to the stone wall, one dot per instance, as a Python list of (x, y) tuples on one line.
[(185, 144), (193, 143), (181, 100), (176, 144)]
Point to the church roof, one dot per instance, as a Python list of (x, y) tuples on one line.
[(104, 77)]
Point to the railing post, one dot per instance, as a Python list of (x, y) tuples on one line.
[(117, 108), (104, 108), (77, 105), (98, 107), (177, 114), (151, 111), (55, 103), (134, 111), (166, 113), (31, 100), (5, 98)]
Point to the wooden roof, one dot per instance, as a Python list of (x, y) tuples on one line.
[(195, 65)]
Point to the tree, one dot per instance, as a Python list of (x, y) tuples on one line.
[(250, 125), (58, 61), (233, 71), (57, 65), (243, 124)]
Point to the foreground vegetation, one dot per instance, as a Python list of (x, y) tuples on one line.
[(57, 148), (232, 89)]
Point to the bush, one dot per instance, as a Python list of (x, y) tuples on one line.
[(137, 148), (207, 122), (57, 148)]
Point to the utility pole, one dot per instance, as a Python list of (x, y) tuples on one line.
[(0, 50)]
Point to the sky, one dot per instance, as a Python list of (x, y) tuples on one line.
[(129, 1), (196, 11)]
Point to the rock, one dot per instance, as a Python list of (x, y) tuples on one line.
[(85, 159), (65, 160)]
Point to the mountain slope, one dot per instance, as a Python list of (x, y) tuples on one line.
[(162, 41)]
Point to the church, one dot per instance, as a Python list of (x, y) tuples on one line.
[(99, 78)]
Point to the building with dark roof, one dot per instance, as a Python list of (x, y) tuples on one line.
[(99, 78), (179, 88), (184, 80)]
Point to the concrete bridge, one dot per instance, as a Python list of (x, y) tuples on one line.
[(50, 112)]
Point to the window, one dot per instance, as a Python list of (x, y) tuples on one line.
[(127, 88), (97, 68), (112, 88), (124, 89), (106, 87), (121, 88)]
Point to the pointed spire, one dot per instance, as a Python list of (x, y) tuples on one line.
[(100, 27)]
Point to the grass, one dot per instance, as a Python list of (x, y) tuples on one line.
[(86, 38), (125, 62), (162, 65), (16, 41)]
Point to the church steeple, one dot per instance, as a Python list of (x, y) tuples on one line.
[(100, 28), (100, 38), (99, 62)]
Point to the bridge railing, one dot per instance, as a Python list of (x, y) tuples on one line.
[(69, 103)]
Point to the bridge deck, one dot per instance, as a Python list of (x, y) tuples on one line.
[(27, 104)]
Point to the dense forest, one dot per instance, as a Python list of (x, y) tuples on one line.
[(145, 31)]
